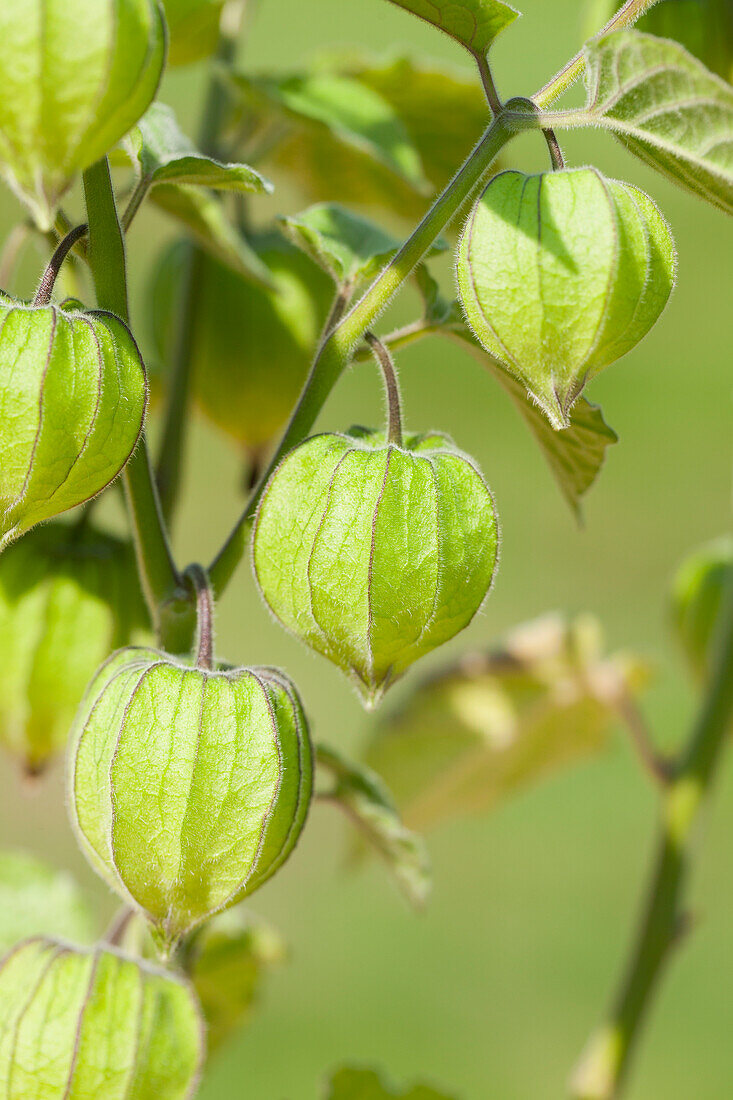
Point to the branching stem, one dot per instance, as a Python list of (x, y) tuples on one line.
[(487, 79), (335, 352), (624, 17)]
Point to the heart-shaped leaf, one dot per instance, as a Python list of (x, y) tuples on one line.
[(497, 721), (353, 1083), (162, 153), (665, 107), (473, 23), (362, 795)]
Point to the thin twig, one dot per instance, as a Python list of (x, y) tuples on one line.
[(625, 17), (199, 581), (48, 280), (392, 389), (487, 79), (558, 160), (656, 766)]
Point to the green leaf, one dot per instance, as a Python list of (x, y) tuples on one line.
[(348, 246), (37, 900), (443, 114), (473, 23), (162, 153), (365, 799), (203, 217), (349, 111), (95, 1023), (351, 1083), (576, 454), (666, 108), (495, 722), (229, 961)]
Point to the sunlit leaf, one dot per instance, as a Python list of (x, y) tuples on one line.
[(162, 153), (498, 721), (348, 246), (37, 900), (704, 27), (350, 112), (444, 113), (473, 23), (352, 1083), (203, 217), (367, 802), (228, 963), (664, 106)]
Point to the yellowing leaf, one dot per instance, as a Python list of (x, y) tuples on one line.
[(497, 721)]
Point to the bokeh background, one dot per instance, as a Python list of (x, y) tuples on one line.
[(491, 991)]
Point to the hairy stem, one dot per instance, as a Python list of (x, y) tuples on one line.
[(335, 352), (558, 160), (603, 1067), (625, 17), (48, 280), (391, 387), (196, 576), (158, 572), (487, 79)]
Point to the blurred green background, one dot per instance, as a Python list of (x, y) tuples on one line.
[(493, 990)]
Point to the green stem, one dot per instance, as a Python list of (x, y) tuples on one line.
[(169, 466), (602, 1069), (625, 17), (487, 79), (391, 387), (158, 572), (335, 352)]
